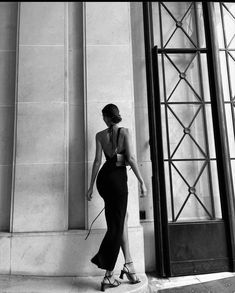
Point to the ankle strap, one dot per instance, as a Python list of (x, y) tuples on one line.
[(127, 263)]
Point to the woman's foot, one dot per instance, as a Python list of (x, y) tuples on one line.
[(129, 271), (109, 282)]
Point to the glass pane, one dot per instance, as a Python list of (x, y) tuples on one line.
[(224, 75), (204, 77), (161, 81), (231, 61), (186, 132), (219, 27), (164, 134), (179, 25), (229, 21), (210, 132), (192, 178), (182, 78), (215, 189), (233, 172), (231, 137), (168, 192)]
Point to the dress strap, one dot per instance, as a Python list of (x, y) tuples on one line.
[(118, 133)]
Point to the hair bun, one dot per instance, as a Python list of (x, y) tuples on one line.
[(112, 112)]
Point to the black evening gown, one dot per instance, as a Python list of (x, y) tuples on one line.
[(112, 186)]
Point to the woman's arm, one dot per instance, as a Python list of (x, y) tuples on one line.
[(132, 161), (95, 167)]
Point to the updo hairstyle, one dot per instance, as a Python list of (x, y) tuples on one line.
[(111, 111)]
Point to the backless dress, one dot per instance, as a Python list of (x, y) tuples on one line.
[(112, 186)]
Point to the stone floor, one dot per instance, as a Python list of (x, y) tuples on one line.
[(35, 284), (208, 283)]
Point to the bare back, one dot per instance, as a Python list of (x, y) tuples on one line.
[(106, 143)]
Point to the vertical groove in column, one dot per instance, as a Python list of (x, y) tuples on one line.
[(15, 123), (85, 110), (66, 115), (76, 156)]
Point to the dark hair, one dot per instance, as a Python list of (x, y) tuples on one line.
[(112, 112)]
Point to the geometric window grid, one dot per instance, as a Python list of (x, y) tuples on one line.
[(188, 142)]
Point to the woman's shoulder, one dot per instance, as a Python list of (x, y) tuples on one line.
[(125, 131), (101, 133)]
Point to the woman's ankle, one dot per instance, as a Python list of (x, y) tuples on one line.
[(108, 273)]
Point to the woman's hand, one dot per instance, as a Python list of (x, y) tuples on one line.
[(143, 190), (89, 194)]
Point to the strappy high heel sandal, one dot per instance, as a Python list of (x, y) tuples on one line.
[(109, 284), (130, 276)]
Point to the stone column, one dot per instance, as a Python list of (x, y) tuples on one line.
[(40, 195), (109, 80)]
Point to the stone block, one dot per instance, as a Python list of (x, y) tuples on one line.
[(67, 253), (42, 23), (40, 133), (40, 194), (108, 73), (5, 253), (41, 74), (110, 17), (77, 196), (6, 134), (7, 77), (76, 77), (146, 203), (76, 134), (8, 25), (142, 134), (5, 199)]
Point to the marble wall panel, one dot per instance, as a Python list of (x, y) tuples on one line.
[(6, 134), (7, 77), (42, 23), (41, 74), (8, 25), (5, 198), (40, 133), (40, 194), (107, 23), (108, 73)]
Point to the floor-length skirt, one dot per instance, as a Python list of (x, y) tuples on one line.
[(112, 186)]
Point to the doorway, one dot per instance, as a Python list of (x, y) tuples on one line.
[(192, 176)]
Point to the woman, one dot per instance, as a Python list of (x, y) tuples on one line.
[(111, 184)]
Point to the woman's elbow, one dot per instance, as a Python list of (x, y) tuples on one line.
[(131, 159), (97, 162)]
